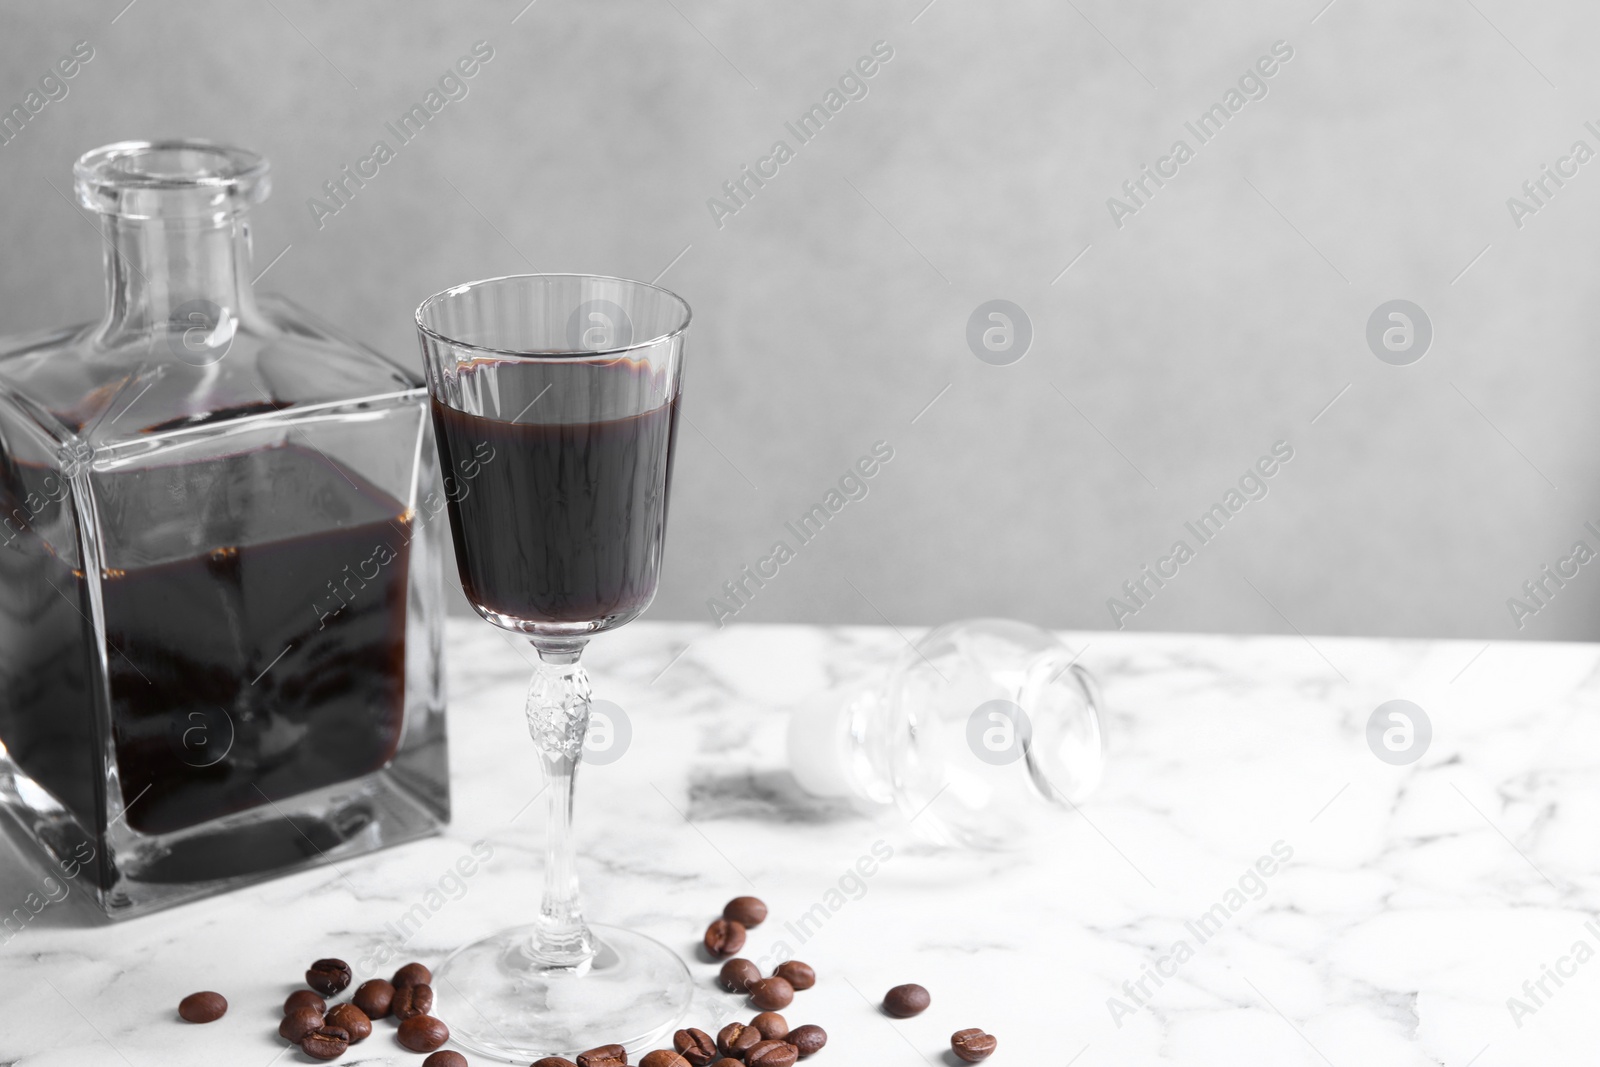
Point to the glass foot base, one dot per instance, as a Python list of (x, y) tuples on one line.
[(499, 1002)]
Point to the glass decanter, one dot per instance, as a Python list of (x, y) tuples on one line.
[(221, 550)]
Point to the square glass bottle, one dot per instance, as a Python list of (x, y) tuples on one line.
[(221, 547)]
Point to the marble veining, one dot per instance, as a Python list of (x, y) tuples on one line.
[(1249, 885)]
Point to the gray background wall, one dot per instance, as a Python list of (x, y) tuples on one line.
[(1224, 316)]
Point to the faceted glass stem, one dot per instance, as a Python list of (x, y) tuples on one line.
[(558, 719)]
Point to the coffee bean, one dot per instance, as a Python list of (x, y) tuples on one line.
[(800, 975), (904, 1001), (771, 1054), (412, 974), (304, 998), (746, 911), (972, 1045), (299, 1023), (328, 976), (604, 1056), (738, 973), (724, 937), (695, 1046), (325, 1043), (445, 1058), (202, 1007), (352, 1020), (807, 1039), (409, 1001), (422, 1033), (663, 1057), (727, 1063), (736, 1039), (770, 994), (553, 1061), (374, 997), (771, 1025)]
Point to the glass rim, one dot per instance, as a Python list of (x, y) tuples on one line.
[(104, 165), (687, 315), (123, 179)]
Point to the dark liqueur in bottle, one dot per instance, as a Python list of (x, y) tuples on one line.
[(221, 537)]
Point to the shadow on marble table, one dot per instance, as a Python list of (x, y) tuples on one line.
[(765, 796)]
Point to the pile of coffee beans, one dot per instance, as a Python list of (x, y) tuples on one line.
[(325, 1033), (765, 1041)]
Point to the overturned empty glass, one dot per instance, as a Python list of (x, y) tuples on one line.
[(980, 730)]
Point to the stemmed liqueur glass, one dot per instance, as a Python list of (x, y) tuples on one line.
[(555, 401)]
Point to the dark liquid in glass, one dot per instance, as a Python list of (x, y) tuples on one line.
[(238, 674), (559, 521)]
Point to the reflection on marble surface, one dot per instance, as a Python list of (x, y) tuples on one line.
[(1413, 902)]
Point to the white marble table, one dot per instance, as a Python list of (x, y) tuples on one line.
[(1417, 899)]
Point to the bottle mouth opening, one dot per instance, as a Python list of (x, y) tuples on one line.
[(184, 179)]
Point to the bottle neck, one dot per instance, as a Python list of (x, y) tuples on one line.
[(184, 277)]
